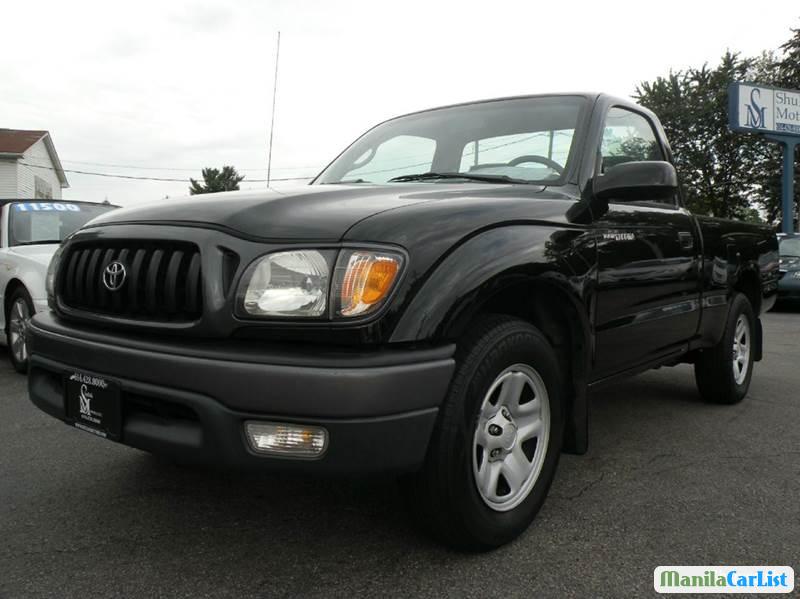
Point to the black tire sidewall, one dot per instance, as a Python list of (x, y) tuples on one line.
[(714, 370), (487, 527), (19, 293), (740, 306)]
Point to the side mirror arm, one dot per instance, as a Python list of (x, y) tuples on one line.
[(589, 208)]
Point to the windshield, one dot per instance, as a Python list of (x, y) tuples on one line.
[(49, 222), (525, 140), (790, 247)]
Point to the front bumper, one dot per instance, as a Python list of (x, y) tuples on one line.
[(189, 399)]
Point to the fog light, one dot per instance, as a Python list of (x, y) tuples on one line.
[(290, 440)]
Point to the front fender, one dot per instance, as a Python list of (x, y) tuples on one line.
[(32, 276), (27, 274), (557, 262), (30, 273), (490, 261)]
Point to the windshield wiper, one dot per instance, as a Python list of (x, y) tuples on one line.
[(469, 176), (38, 242)]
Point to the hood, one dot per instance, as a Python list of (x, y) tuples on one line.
[(315, 212), (41, 254)]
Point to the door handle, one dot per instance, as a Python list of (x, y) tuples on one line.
[(686, 239)]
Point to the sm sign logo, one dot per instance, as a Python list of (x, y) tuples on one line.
[(752, 107), (755, 117)]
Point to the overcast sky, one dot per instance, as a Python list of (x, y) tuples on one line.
[(169, 87)]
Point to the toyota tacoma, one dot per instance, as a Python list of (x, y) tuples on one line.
[(435, 304)]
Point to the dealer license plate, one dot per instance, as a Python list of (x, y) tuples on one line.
[(93, 404)]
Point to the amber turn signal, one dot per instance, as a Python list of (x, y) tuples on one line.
[(365, 280)]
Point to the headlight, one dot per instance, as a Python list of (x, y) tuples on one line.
[(52, 270), (291, 283), (298, 283), (364, 279)]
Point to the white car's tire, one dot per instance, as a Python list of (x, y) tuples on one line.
[(18, 316)]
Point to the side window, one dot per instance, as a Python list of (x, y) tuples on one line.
[(627, 137), (401, 155)]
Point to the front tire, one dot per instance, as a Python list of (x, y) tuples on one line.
[(496, 445), (723, 372), (18, 317)]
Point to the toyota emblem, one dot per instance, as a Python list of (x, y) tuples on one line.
[(114, 276)]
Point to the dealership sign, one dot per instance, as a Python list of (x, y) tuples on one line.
[(764, 109), (774, 114)]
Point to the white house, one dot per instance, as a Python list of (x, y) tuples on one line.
[(29, 166)]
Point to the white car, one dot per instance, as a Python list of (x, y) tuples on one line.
[(30, 233)]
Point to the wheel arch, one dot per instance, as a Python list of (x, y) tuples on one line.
[(748, 282), (12, 285), (558, 314), (523, 271)]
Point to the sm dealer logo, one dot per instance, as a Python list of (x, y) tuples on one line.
[(761, 108), (755, 110), (85, 401), (755, 117)]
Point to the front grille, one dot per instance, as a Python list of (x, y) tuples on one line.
[(162, 280)]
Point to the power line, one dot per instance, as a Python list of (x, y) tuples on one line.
[(269, 178), (468, 153), (181, 168), (142, 178)]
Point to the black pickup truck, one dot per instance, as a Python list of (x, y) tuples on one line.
[(435, 304)]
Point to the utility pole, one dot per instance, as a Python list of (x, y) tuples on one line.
[(272, 123), (787, 181)]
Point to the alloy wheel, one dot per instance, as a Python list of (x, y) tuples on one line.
[(511, 437), (19, 317), (741, 349)]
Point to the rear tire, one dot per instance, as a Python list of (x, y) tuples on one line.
[(723, 372), (496, 445), (18, 317)]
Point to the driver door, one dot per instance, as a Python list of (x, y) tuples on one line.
[(648, 255)]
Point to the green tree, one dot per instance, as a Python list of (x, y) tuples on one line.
[(215, 180), (789, 65), (784, 72), (715, 164), (725, 173)]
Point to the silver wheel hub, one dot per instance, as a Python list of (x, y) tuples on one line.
[(511, 437), (500, 435), (19, 317), (741, 349)]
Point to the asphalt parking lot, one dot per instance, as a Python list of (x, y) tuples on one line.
[(667, 480)]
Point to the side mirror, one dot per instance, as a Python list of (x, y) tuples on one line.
[(627, 182), (637, 181)]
